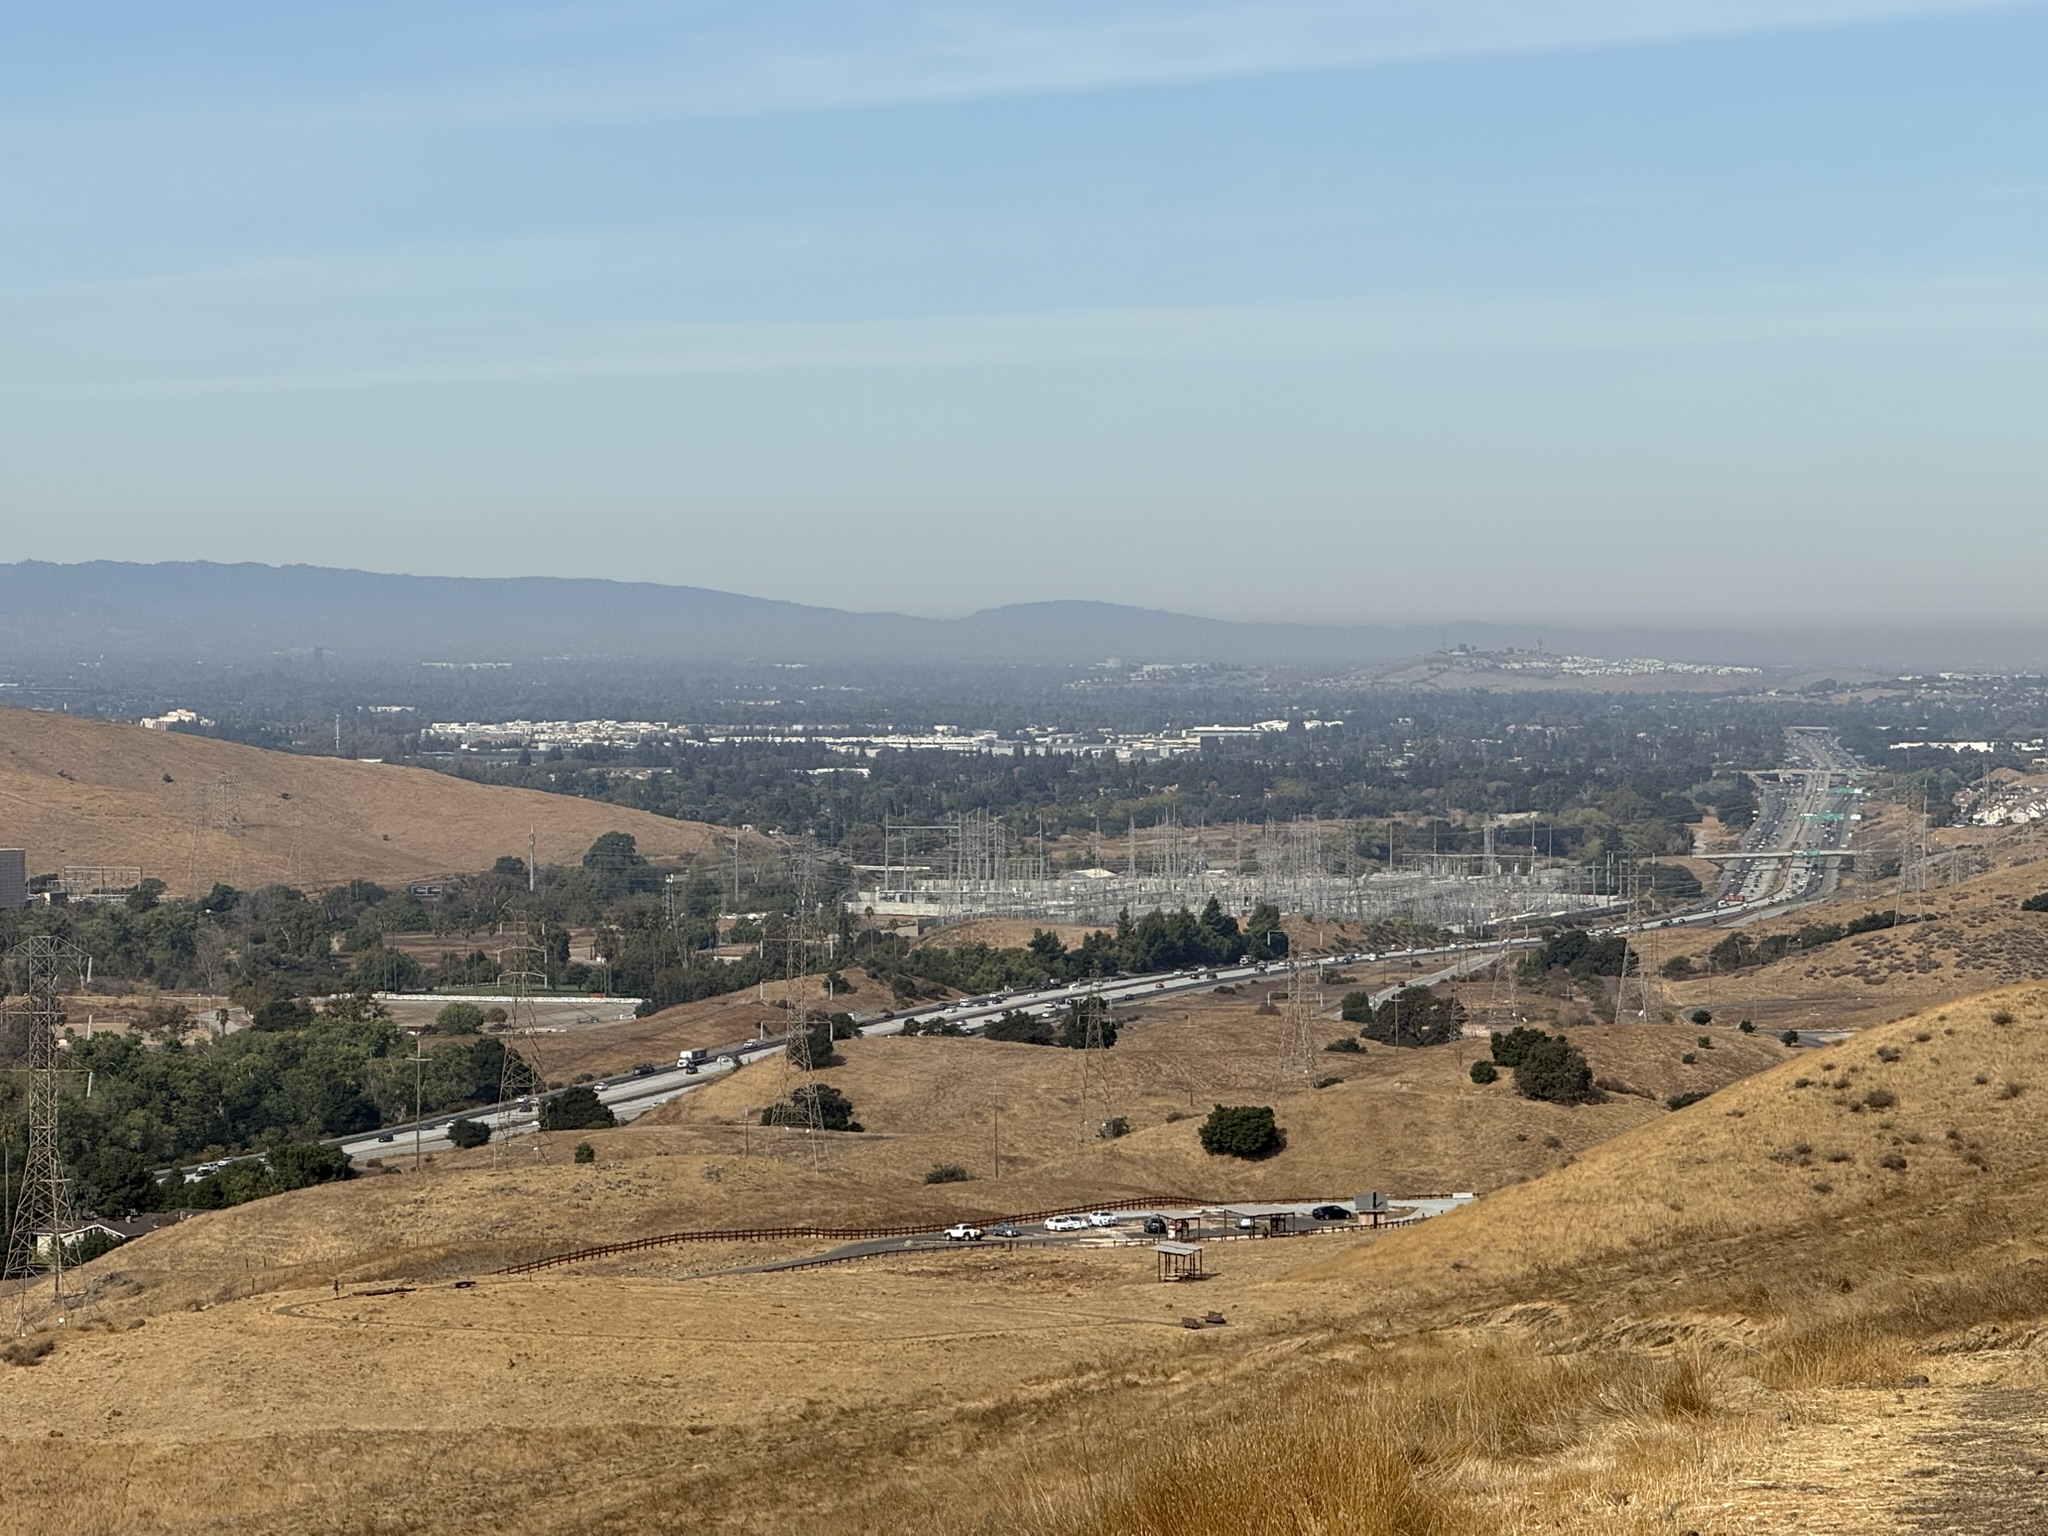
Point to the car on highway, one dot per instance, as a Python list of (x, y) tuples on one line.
[(1066, 1224), (1330, 1213), (1102, 1219), (963, 1233), (1006, 1229), (385, 1137)]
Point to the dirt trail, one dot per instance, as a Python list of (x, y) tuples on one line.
[(1954, 1461)]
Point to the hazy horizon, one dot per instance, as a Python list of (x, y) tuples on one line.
[(1323, 311)]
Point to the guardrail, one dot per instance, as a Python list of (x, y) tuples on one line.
[(772, 1234)]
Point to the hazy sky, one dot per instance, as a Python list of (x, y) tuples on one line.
[(1709, 310)]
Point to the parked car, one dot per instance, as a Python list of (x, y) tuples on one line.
[(1066, 1224), (1331, 1213), (1006, 1229), (963, 1233), (1155, 1226), (1101, 1219)]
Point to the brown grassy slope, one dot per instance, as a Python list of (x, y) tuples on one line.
[(466, 1213), (1407, 1121), (1977, 938), (711, 1022), (78, 791), (1899, 1117), (1039, 1392)]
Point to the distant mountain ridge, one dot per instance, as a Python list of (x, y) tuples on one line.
[(205, 611)]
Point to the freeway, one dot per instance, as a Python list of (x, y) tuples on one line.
[(1802, 829), (632, 1094)]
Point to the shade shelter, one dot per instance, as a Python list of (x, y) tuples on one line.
[(1179, 1261)]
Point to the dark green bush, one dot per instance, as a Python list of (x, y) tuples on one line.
[(1241, 1130), (1554, 1070), (585, 1152), (947, 1173), (1680, 1100), (817, 1104), (468, 1133), (575, 1109), (1348, 1044), (1484, 1072)]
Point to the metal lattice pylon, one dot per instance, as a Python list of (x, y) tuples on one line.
[(44, 1206), (1298, 1024), (798, 941), (522, 972)]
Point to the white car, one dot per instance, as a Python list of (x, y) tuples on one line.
[(1066, 1224), (1101, 1219), (963, 1233)]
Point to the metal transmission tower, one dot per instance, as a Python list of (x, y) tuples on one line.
[(1632, 916), (41, 964), (522, 972), (807, 1112), (1298, 1023)]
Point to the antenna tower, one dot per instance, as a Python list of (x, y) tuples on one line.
[(41, 963)]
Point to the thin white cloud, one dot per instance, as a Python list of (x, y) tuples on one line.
[(563, 62), (879, 54), (1891, 311)]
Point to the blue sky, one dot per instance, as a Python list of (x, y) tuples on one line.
[(1333, 309)]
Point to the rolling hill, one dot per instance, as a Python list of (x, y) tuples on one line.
[(191, 811)]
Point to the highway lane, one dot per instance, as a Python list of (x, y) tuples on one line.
[(1805, 812)]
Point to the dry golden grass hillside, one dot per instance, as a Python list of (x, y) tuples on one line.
[(1678, 1330), (78, 791), (1973, 936), (1403, 1120)]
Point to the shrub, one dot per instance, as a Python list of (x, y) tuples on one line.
[(1790, 1037), (27, 1351), (1880, 1098), (810, 1047), (575, 1109), (1484, 1072), (1508, 1048), (1746, 1027), (1893, 1161), (813, 1104), (1113, 1127), (1326, 1082), (2003, 1016), (1700, 1016), (1349, 1045), (1706, 1042), (1680, 1100), (468, 1133), (1689, 1059), (459, 1019), (947, 1173), (1241, 1130), (1177, 1114), (2035, 903), (1021, 1029), (585, 1152), (1412, 1016), (1554, 1070)]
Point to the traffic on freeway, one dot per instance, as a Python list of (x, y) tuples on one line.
[(1790, 855)]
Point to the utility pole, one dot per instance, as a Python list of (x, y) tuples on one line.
[(419, 1044)]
